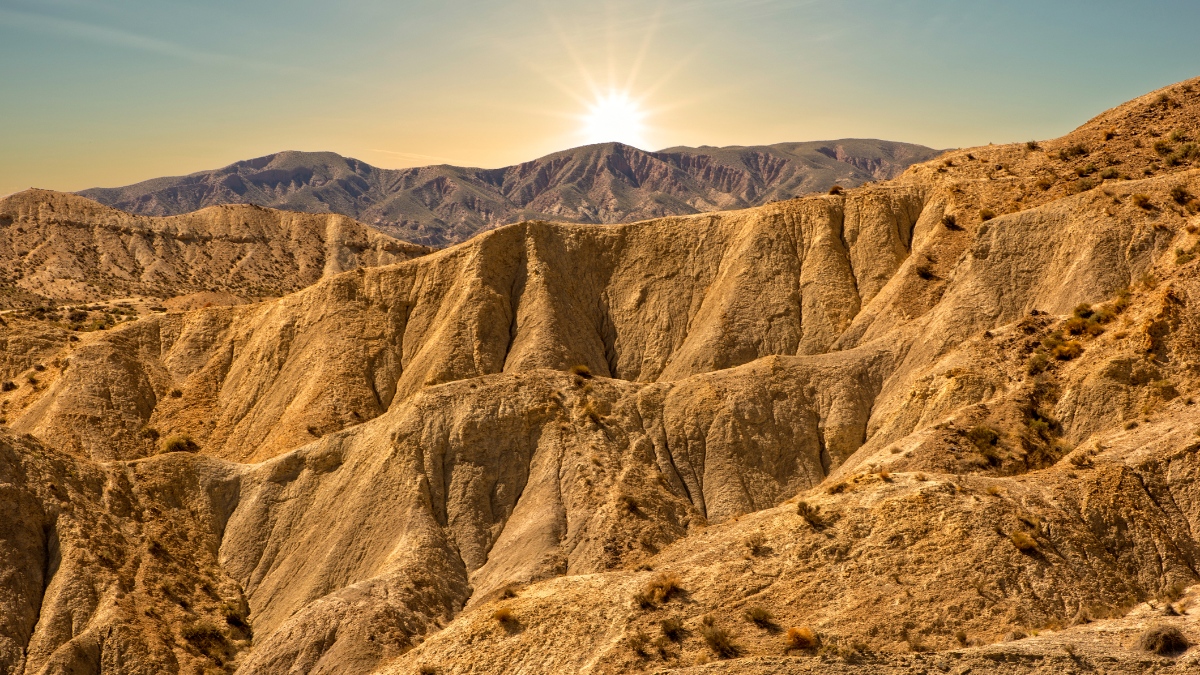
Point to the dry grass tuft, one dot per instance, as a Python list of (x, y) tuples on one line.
[(837, 190), (720, 641), (757, 543), (179, 443), (1023, 542), (760, 616), (504, 615), (811, 514), (582, 371), (802, 637), (1163, 640), (672, 628)]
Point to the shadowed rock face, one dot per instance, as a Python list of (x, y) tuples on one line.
[(606, 183), (489, 458)]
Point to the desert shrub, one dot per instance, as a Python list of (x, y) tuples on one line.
[(951, 222), (836, 489), (672, 628), (986, 214), (8, 385), (639, 642), (836, 190), (179, 443), (76, 316), (504, 615), (961, 636), (582, 371), (757, 543), (1142, 201), (983, 437), (925, 271), (663, 587), (1044, 184), (1068, 350), (885, 475), (1023, 542), (1032, 145), (1180, 194), (175, 393), (1110, 174), (1189, 151), (204, 636), (1162, 147), (1072, 151), (811, 514), (802, 637), (994, 490), (720, 641), (759, 616), (31, 379), (1085, 171), (1162, 639)]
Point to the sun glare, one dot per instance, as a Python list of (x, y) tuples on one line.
[(614, 117)]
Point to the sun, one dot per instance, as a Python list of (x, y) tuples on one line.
[(615, 116)]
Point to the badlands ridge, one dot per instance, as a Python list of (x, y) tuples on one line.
[(943, 423)]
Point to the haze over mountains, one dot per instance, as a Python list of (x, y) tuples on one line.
[(605, 183)]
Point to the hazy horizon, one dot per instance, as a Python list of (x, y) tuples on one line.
[(112, 94)]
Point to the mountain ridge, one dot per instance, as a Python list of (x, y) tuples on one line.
[(601, 183)]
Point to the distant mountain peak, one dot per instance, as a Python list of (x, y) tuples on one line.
[(608, 182)]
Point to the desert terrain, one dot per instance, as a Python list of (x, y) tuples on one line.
[(943, 422)]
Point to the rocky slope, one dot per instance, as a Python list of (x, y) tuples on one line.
[(607, 183), (946, 423), (69, 249)]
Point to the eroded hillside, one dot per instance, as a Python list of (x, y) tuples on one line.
[(947, 422)]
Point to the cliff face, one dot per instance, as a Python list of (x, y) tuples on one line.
[(606, 183), (911, 419)]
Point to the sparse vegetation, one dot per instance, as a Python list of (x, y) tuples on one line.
[(1163, 640), (760, 617), (1023, 542), (204, 636), (582, 371), (757, 543), (986, 214), (659, 590), (951, 222), (1180, 194), (1032, 145), (504, 615), (1072, 151), (672, 629), (179, 443), (811, 514), (8, 385), (1141, 200), (720, 641), (802, 638), (837, 190)]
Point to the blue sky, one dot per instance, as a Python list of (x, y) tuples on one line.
[(106, 93)]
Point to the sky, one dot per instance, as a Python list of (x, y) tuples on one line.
[(107, 93)]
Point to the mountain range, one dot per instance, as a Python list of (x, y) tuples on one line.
[(605, 183)]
